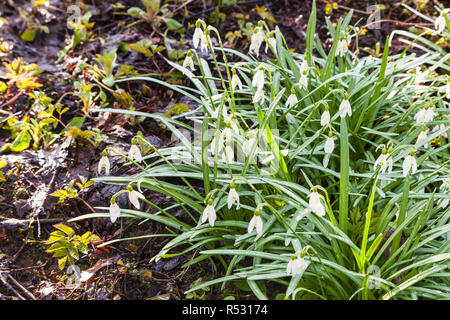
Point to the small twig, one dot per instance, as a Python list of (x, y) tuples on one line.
[(2, 279), (12, 99), (28, 293), (397, 23)]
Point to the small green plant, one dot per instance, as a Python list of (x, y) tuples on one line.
[(71, 192), (200, 294), (67, 246), (32, 22), (154, 15)]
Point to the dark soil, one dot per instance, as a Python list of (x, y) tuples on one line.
[(121, 269)]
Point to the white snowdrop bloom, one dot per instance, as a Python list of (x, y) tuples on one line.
[(420, 116), (227, 134), (256, 41), (390, 162), (233, 197), (439, 24), (329, 144), (216, 142), (256, 223), (248, 144), (259, 96), (258, 79), (134, 197), (303, 82), (114, 211), (228, 154), (304, 67), (104, 162), (198, 33), (209, 214), (284, 152), (296, 266), (342, 47), (225, 117), (291, 100), (205, 40), (409, 164), (381, 161), (429, 114), (188, 62), (422, 136), (315, 203), (325, 118), (345, 108), (272, 42), (235, 81), (134, 153)]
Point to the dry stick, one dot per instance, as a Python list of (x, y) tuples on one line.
[(12, 99), (397, 23), (2, 279), (28, 293)]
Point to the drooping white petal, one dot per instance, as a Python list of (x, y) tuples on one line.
[(233, 197), (329, 145), (273, 44), (409, 164), (114, 212), (247, 146), (325, 118), (104, 162), (235, 81), (259, 96), (188, 62), (197, 36), (134, 197), (315, 204), (345, 108), (135, 153), (291, 100), (258, 79), (228, 155), (381, 161), (422, 136), (209, 214)]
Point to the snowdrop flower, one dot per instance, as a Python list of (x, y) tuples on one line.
[(439, 24), (292, 99), (134, 197), (235, 81), (304, 66), (342, 47), (296, 265), (409, 164), (329, 144), (284, 152), (134, 153), (216, 141), (315, 204), (259, 96), (227, 134), (325, 118), (381, 161), (256, 222), (188, 62), (233, 197), (272, 42), (345, 108), (248, 144), (228, 155), (205, 41), (104, 162), (256, 40), (225, 117), (198, 34), (258, 78), (422, 136), (303, 82), (209, 214), (114, 211)]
